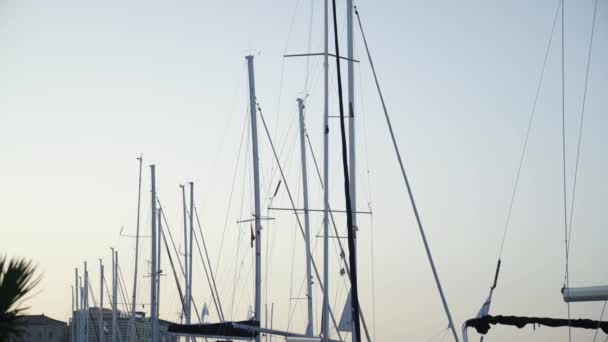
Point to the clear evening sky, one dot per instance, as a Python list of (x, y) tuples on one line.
[(86, 86)]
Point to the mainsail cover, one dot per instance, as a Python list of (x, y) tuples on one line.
[(482, 324), (223, 330)]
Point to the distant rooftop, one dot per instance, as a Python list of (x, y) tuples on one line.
[(41, 320)]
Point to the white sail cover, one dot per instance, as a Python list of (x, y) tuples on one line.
[(585, 294), (346, 320)]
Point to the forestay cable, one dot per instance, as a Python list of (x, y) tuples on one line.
[(580, 128), (486, 306), (566, 276), (407, 184)]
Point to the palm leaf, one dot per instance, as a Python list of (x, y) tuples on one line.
[(17, 279)]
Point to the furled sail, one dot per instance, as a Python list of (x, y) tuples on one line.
[(482, 324), (223, 330)]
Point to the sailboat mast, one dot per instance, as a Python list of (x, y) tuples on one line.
[(114, 296), (81, 313), (309, 326), (325, 317), (189, 252), (153, 279), (85, 299), (72, 323), (76, 316), (187, 294), (134, 297), (100, 318), (160, 237), (256, 188)]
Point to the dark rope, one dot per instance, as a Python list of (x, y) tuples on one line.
[(349, 214)]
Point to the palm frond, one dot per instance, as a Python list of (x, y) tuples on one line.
[(17, 279)]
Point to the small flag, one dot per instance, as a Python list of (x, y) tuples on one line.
[(346, 320), (205, 312), (252, 236), (485, 308), (276, 190)]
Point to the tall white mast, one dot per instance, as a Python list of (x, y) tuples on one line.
[(160, 236), (153, 279), (134, 297), (76, 318), (351, 130), (114, 296), (72, 323), (81, 313), (187, 293), (189, 252), (85, 299), (100, 318), (256, 188), (325, 328), (309, 326)]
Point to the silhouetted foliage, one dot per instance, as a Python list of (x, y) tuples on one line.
[(17, 280)]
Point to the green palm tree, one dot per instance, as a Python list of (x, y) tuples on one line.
[(17, 279)]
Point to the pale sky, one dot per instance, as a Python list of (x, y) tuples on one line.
[(85, 87)]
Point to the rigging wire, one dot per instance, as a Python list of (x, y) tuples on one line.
[(528, 130), (233, 104), (333, 222), (112, 303), (440, 334), (293, 206), (407, 184), (293, 254), (290, 141), (237, 270), (289, 32), (313, 251), (165, 227), (578, 152), (90, 314), (216, 300), (566, 276), (599, 321), (363, 115), (524, 150), (123, 289), (580, 129), (219, 254), (221, 311), (179, 288), (246, 187), (310, 20)]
